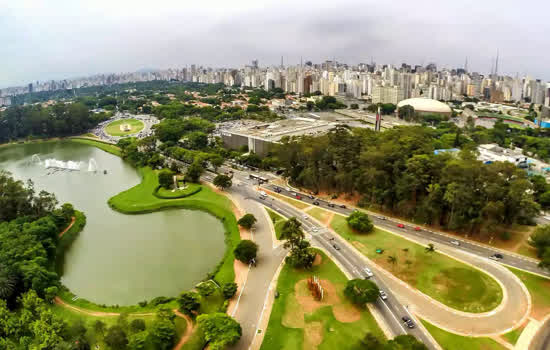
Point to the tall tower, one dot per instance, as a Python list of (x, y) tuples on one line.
[(496, 65), (466, 65)]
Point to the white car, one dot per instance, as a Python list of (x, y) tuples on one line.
[(383, 295), (457, 243), (315, 229), (368, 272), (287, 189)]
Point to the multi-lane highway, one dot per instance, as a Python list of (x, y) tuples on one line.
[(436, 237)]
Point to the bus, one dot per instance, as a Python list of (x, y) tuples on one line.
[(260, 179)]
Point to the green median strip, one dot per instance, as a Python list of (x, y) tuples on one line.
[(451, 341), (447, 280)]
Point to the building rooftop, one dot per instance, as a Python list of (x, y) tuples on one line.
[(426, 105), (273, 132)]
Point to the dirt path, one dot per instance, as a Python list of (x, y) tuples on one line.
[(73, 219), (184, 338)]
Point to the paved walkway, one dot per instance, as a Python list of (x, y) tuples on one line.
[(253, 299)]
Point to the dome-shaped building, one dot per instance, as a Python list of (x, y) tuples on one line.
[(426, 106)]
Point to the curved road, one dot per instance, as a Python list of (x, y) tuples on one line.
[(514, 308)]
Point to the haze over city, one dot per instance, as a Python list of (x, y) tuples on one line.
[(65, 39)]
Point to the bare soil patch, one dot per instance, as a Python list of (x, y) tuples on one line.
[(313, 335), (306, 300), (346, 313), (318, 260)]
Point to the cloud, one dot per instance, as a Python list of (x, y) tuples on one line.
[(61, 39)]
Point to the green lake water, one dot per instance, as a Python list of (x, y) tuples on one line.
[(118, 259)]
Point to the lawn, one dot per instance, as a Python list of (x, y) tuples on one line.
[(320, 214), (107, 147), (113, 128), (513, 336), (539, 288), (450, 341), (449, 281), (294, 202), (299, 322), (171, 194), (140, 199), (278, 222)]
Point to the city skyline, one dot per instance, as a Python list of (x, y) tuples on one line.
[(63, 40)]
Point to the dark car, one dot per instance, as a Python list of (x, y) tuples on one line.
[(408, 321), (336, 247), (277, 189), (316, 203), (311, 196), (343, 206), (331, 205)]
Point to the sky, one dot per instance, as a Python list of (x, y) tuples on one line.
[(59, 39)]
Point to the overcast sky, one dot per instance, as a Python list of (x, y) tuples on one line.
[(57, 39)]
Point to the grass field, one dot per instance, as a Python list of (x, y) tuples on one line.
[(298, 322), (320, 214), (449, 281), (190, 188), (539, 288), (107, 147), (113, 128), (294, 202), (513, 336), (278, 222), (140, 199), (450, 341)]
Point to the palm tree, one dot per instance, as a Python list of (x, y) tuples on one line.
[(392, 259), (7, 283), (430, 248)]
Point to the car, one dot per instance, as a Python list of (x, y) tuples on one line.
[(457, 243), (316, 203), (408, 321), (262, 193), (331, 205), (383, 295), (315, 229), (417, 228), (277, 189), (343, 206), (298, 196), (382, 217), (336, 247), (262, 197), (293, 194), (287, 189), (400, 225), (310, 196), (368, 272), (305, 217), (496, 257)]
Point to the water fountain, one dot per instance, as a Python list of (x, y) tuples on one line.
[(36, 159), (92, 165), (62, 165)]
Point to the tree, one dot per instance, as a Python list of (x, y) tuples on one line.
[(163, 334), (137, 325), (360, 222), (189, 303), (220, 330), (194, 172), (430, 248), (361, 291), (392, 259), (166, 178), (247, 221), (354, 106), (405, 342), (245, 251), (540, 239), (116, 337), (301, 256), (50, 293), (99, 327), (206, 289), (407, 113), (229, 289), (138, 341), (222, 181), (8, 282), (371, 342)]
